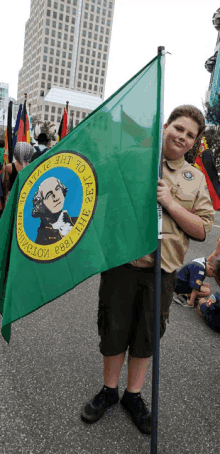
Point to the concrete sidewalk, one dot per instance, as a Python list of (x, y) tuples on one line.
[(52, 366)]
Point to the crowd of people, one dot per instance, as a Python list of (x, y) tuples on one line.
[(127, 292), (24, 153)]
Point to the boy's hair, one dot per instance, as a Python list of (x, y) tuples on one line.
[(215, 262), (191, 112)]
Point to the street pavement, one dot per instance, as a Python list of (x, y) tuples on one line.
[(52, 366)]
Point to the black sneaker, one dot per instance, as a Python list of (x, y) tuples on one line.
[(96, 407), (140, 414), (181, 299)]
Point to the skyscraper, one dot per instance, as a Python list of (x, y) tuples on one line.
[(66, 50)]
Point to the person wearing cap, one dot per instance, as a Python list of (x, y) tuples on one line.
[(23, 153), (41, 147)]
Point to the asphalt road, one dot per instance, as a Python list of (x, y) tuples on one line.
[(52, 366)]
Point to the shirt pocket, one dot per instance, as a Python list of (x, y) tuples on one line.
[(185, 200)]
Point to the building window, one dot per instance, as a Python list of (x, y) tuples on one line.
[(59, 110), (57, 61), (48, 12), (55, 79), (60, 25), (54, 24), (72, 31), (50, 69), (43, 76), (61, 80), (61, 16), (70, 47), (54, 15), (46, 40), (42, 86), (69, 64), (109, 14), (90, 86), (77, 114), (84, 85), (51, 59), (94, 45), (44, 68), (62, 72), (58, 53), (45, 58), (85, 76), (67, 81), (95, 87), (55, 5), (85, 24), (52, 42), (78, 84), (85, 15), (66, 27), (104, 12), (53, 33), (51, 51), (100, 48), (90, 78), (82, 50), (68, 73), (84, 115), (53, 109), (80, 75), (64, 54), (47, 31), (70, 56), (63, 63), (58, 118), (76, 122), (81, 59), (45, 117), (47, 21), (65, 36), (65, 45), (46, 108), (73, 20), (59, 34), (52, 117), (48, 2), (68, 9)]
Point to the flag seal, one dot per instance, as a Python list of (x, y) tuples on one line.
[(55, 206)]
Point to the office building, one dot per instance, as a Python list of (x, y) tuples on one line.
[(66, 50)]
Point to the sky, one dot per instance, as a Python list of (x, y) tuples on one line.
[(139, 26)]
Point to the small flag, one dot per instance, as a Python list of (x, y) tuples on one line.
[(15, 133), (87, 205), (204, 162), (62, 132), (24, 126), (9, 132)]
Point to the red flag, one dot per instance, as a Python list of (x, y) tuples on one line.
[(204, 162), (62, 132), (24, 126)]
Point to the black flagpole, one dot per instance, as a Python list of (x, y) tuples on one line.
[(157, 267)]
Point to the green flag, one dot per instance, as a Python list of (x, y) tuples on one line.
[(87, 205)]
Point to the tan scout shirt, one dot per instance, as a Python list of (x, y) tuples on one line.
[(188, 188)]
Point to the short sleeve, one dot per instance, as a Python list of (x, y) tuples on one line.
[(196, 276), (203, 206)]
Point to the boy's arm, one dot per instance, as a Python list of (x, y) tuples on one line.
[(193, 295), (190, 223)]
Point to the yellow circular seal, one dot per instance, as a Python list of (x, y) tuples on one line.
[(55, 206)]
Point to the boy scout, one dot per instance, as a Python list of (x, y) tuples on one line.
[(126, 295)]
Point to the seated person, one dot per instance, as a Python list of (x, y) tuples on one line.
[(209, 310), (191, 276)]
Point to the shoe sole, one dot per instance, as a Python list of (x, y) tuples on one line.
[(145, 432), (181, 304)]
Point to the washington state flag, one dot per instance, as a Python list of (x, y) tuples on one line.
[(86, 205)]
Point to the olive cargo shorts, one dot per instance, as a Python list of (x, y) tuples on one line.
[(125, 313)]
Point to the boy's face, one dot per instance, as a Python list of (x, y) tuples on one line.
[(179, 137), (210, 270)]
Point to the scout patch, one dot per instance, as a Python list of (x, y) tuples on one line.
[(211, 300), (198, 282), (187, 175)]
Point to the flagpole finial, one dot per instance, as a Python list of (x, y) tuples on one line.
[(67, 102), (160, 49), (25, 95)]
